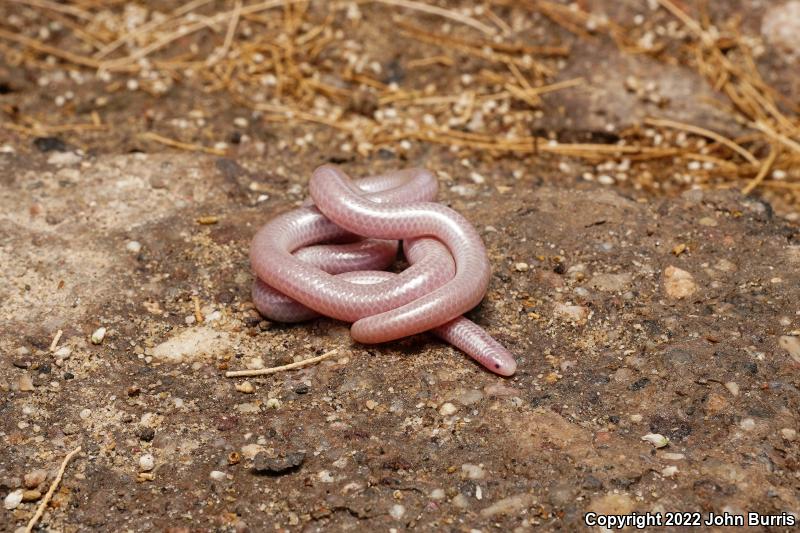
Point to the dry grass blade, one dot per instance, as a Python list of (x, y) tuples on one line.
[(188, 30), (276, 369), (149, 26), (762, 173), (60, 8), (47, 49), (150, 136), (697, 130), (434, 10), (49, 495)]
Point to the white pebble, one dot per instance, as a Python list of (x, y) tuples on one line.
[(605, 179), (789, 434), (216, 475), (134, 247), (397, 511), (98, 335), (63, 353), (147, 462), (273, 403), (656, 439), (13, 499), (473, 471), (437, 494), (85, 413), (747, 424), (447, 409), (669, 471), (521, 267), (477, 178)]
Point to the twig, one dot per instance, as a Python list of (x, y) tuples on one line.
[(188, 30), (446, 13), (276, 369), (152, 25), (764, 128), (697, 130), (198, 314), (150, 136), (687, 20), (762, 173), (55, 340), (47, 49), (226, 45), (53, 486), (61, 8)]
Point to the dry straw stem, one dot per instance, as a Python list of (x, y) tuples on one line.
[(192, 28), (151, 136), (37, 129), (762, 173), (47, 49), (434, 10), (149, 26), (49, 495), (57, 7), (697, 130), (276, 369)]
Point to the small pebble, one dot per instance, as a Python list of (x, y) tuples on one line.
[(245, 387), (25, 383), (747, 424), (574, 313), (460, 501), (678, 283), (669, 456), (669, 471), (437, 494), (34, 478), (216, 475), (521, 267), (789, 434), (147, 462), (371, 404), (477, 178), (791, 344), (471, 471), (98, 335), (469, 397), (255, 363), (397, 511), (134, 247), (13, 499), (31, 495), (732, 387), (708, 221), (264, 464), (273, 403), (656, 439), (85, 413), (447, 409), (63, 353)]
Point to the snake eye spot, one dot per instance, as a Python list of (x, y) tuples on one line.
[(496, 365)]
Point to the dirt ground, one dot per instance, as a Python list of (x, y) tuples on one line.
[(659, 303)]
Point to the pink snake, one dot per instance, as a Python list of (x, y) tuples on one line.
[(448, 273)]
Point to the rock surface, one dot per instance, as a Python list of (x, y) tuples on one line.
[(605, 357)]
